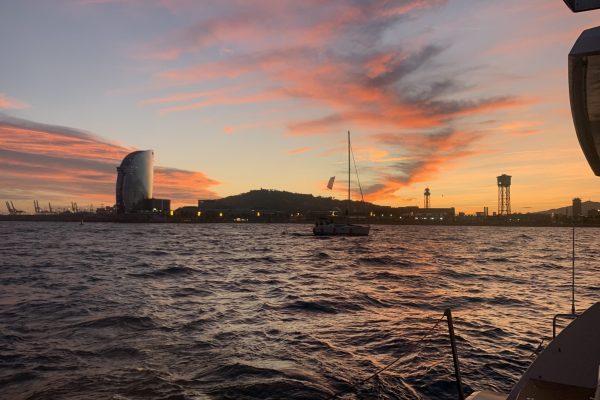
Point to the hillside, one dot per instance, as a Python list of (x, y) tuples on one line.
[(288, 202), (585, 207)]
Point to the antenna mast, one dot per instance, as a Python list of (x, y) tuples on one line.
[(573, 276), (348, 210)]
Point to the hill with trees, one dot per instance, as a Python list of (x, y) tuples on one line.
[(568, 210), (288, 202)]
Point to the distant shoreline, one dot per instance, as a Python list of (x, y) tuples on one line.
[(163, 219)]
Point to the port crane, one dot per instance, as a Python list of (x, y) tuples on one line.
[(12, 210), (40, 210), (36, 207)]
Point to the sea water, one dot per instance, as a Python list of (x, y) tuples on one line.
[(266, 311)]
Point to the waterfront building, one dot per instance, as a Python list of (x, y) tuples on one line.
[(577, 209), (135, 181)]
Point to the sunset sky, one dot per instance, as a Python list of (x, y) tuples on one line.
[(239, 95)]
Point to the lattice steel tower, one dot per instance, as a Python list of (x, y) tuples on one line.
[(426, 197), (504, 194)]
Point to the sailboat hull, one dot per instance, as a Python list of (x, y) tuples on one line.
[(341, 230)]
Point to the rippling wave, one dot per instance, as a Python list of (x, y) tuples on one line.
[(267, 312)]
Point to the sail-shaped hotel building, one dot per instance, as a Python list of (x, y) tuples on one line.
[(135, 179)]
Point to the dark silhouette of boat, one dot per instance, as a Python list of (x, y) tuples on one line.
[(328, 227)]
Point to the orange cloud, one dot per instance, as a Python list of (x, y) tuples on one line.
[(268, 24), (225, 100), (522, 128), (65, 164), (10, 103), (178, 97), (299, 150), (364, 93), (427, 154), (337, 64), (531, 41), (419, 170), (184, 187)]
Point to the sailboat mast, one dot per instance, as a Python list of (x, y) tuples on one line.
[(348, 210)]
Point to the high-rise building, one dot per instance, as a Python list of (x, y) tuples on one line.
[(134, 181), (577, 211)]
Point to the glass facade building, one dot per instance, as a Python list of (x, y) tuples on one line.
[(134, 181)]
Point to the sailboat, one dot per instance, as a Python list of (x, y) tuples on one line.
[(328, 227)]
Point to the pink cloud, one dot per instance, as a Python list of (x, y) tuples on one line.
[(185, 96), (11, 103), (66, 164), (336, 64), (299, 150), (268, 95), (527, 42), (260, 25), (426, 155), (522, 128)]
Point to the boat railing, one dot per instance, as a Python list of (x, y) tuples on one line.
[(557, 316), (448, 316), (573, 314)]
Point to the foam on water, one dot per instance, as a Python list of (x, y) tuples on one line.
[(266, 312)]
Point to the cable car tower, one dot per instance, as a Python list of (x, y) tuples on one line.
[(504, 194)]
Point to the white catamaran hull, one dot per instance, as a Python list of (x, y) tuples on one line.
[(566, 369), (341, 230)]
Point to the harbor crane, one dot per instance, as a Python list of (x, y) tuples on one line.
[(12, 210), (40, 210)]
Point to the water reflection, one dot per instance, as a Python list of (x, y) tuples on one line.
[(259, 311)]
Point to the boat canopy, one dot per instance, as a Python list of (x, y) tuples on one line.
[(584, 89)]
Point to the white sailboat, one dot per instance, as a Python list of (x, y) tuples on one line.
[(328, 227)]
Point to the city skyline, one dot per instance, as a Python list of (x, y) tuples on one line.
[(239, 96)]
